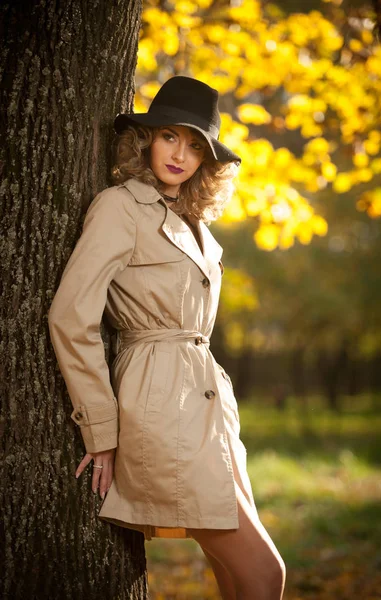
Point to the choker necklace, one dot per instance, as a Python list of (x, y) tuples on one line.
[(170, 198)]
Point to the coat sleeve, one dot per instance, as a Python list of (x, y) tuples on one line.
[(103, 249)]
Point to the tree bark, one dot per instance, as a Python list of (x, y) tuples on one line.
[(245, 373), (66, 70), (298, 373), (331, 368)]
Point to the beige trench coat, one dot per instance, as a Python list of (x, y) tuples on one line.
[(165, 405)]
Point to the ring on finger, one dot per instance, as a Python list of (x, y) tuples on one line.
[(97, 466)]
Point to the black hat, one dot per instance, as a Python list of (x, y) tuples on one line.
[(184, 101)]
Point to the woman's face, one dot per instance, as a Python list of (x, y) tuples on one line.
[(175, 155)]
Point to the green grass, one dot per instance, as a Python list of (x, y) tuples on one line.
[(316, 479)]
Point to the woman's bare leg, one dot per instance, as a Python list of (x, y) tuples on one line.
[(248, 554), (223, 578)]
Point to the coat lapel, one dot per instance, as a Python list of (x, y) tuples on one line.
[(178, 232), (212, 248), (181, 235)]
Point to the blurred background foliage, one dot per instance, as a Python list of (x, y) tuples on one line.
[(300, 90), (299, 323)]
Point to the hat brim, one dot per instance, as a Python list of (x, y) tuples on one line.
[(220, 151)]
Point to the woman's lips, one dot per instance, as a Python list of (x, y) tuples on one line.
[(173, 169)]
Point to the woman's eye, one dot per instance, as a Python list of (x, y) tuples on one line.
[(196, 146)]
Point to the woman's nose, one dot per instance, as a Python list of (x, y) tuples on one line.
[(179, 152)]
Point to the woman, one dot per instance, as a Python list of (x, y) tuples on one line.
[(163, 432)]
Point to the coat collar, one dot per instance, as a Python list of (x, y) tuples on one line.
[(142, 192), (178, 231)]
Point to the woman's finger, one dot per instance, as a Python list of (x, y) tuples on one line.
[(110, 476), (83, 464), (97, 472), (104, 478)]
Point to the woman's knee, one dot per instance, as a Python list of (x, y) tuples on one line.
[(277, 576), (265, 577), (266, 585)]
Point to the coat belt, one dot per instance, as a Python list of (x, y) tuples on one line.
[(125, 338)]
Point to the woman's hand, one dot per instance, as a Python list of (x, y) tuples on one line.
[(102, 477)]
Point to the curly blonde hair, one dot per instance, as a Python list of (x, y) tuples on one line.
[(203, 195)]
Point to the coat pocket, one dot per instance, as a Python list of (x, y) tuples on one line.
[(225, 375), (228, 383), (159, 378), (156, 253)]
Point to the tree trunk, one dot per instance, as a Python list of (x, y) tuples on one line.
[(66, 70), (331, 368), (245, 373), (298, 373)]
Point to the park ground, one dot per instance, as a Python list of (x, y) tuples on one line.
[(316, 478)]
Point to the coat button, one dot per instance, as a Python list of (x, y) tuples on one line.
[(205, 282), (78, 415), (209, 394), (198, 341)]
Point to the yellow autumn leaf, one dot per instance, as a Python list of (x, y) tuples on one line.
[(371, 202), (300, 102), (329, 171), (186, 7), (156, 16), (215, 33), (231, 47), (280, 210), (293, 121), (319, 225), (253, 113), (363, 175), (150, 89), (367, 36), (186, 21), (310, 129), (248, 12), (263, 148), (171, 41), (146, 56), (140, 104), (266, 237), (355, 45), (234, 211), (266, 215), (303, 212), (304, 233), (298, 172), (360, 159), (286, 241), (256, 205), (342, 183), (374, 210), (319, 146), (312, 185), (371, 146), (376, 166), (375, 136), (203, 3), (282, 158)]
